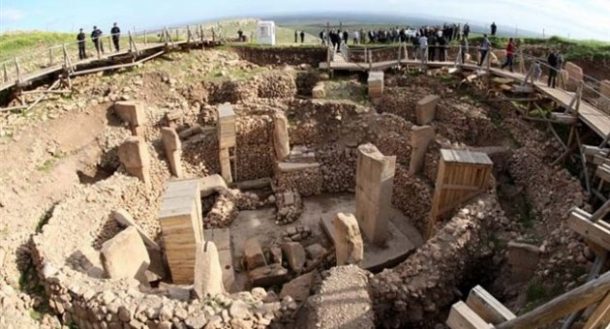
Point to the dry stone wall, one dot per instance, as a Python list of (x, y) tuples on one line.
[(411, 294), (285, 55)]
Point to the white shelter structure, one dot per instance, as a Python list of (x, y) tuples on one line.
[(265, 33)]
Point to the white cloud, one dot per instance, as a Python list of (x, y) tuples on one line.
[(11, 14)]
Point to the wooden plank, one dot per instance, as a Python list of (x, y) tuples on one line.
[(601, 316), (462, 317), (487, 307), (589, 230), (568, 303)]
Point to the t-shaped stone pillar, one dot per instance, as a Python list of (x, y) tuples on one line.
[(226, 140), (348, 240), (421, 136), (132, 113), (374, 182), (208, 271), (375, 82), (425, 109), (173, 150), (281, 141), (133, 154)]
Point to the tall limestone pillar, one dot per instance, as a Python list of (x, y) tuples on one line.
[(134, 155), (173, 150), (374, 182)]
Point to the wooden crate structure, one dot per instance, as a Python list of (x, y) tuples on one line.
[(227, 141), (462, 175), (181, 223)]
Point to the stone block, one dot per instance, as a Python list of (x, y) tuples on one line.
[(208, 280), (425, 109), (295, 255), (173, 150), (318, 90), (299, 288), (375, 84), (349, 246), (575, 74), (212, 184), (269, 275), (315, 251), (134, 156), (374, 183), (281, 141), (421, 136), (125, 219), (125, 256), (132, 113), (523, 259), (222, 239), (253, 254)]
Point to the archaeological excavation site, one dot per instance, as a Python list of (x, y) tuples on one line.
[(285, 187)]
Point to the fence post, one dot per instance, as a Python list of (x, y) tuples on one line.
[(370, 60), (177, 34), (18, 70), (5, 72), (188, 35), (50, 56), (201, 34)]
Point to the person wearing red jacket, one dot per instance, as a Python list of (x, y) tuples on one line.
[(510, 55)]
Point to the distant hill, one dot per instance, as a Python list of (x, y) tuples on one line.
[(315, 22)]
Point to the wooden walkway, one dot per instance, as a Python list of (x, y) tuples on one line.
[(594, 118)]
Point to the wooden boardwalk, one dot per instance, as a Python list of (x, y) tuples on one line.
[(594, 118)]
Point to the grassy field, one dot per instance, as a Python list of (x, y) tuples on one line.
[(284, 35), (15, 43)]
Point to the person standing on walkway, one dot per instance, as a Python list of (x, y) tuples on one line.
[(95, 37), (302, 36), (81, 37), (485, 47), (553, 62), (494, 29), (464, 46), (296, 36), (423, 49), (116, 35), (466, 30), (510, 55)]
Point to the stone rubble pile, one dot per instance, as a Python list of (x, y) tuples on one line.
[(338, 167), (289, 206), (276, 85), (412, 196)]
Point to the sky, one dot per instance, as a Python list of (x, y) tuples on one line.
[(582, 19)]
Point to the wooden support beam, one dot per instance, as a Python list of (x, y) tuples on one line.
[(462, 317), (570, 302), (601, 316), (579, 222), (487, 307)]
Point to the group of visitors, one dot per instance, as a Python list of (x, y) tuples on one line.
[(96, 36), (298, 34)]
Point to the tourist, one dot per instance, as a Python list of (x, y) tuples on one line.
[(356, 37), (116, 35), (464, 48), (485, 48), (494, 29), (81, 44), (302, 36), (345, 36), (466, 30), (95, 37), (432, 47), (553, 62), (423, 49), (442, 49), (510, 55), (323, 37), (240, 35), (296, 36)]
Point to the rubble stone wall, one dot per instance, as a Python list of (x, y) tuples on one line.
[(282, 55), (255, 157), (412, 195), (411, 294)]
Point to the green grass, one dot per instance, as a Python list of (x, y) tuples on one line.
[(14, 43)]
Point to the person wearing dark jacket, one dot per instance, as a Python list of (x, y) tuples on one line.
[(95, 37), (494, 29), (442, 49), (466, 30), (116, 35), (81, 37), (302, 36), (553, 61)]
